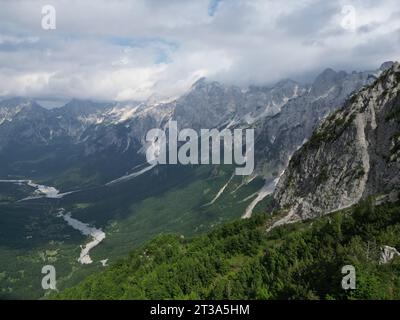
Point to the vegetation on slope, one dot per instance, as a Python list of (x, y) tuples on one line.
[(175, 200), (242, 261)]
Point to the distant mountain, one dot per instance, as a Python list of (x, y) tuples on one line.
[(212, 105), (17, 107), (89, 134), (354, 154)]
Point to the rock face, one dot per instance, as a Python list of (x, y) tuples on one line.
[(388, 254), (212, 105), (354, 153)]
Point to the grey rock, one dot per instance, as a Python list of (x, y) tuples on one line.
[(353, 154)]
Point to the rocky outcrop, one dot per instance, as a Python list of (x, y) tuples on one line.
[(353, 154), (388, 254)]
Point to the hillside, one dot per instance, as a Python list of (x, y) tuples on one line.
[(242, 261)]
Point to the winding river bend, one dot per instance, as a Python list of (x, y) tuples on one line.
[(42, 191), (97, 235)]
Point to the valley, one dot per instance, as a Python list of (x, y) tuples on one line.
[(122, 221), (77, 193), (191, 152), (97, 235)]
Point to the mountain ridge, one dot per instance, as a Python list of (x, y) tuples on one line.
[(353, 154), (89, 128)]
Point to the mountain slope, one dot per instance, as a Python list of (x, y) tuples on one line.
[(353, 154), (282, 134), (241, 261)]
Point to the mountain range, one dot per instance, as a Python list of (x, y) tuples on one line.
[(336, 204), (285, 113), (326, 146)]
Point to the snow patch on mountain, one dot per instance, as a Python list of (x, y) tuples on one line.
[(131, 175), (221, 191)]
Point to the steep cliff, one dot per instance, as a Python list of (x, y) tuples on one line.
[(353, 154)]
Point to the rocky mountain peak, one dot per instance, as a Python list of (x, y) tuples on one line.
[(19, 102), (354, 154), (200, 83), (327, 74), (21, 108), (327, 80), (386, 65), (83, 107), (286, 84)]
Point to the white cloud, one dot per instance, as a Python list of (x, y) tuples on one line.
[(119, 49)]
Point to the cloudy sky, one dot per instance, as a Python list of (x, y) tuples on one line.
[(123, 50)]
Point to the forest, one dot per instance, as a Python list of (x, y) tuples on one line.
[(241, 260)]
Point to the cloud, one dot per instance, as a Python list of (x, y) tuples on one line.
[(122, 50)]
